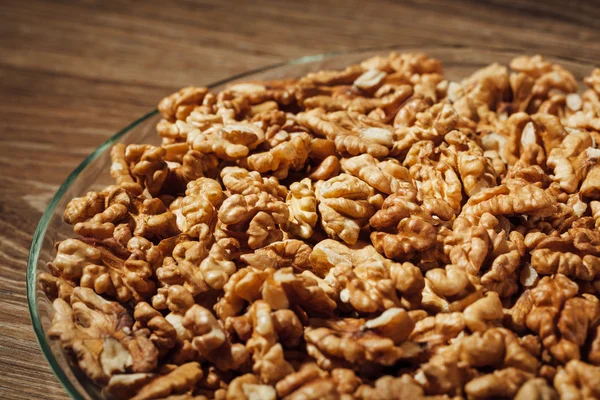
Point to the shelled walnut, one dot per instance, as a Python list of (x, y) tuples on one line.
[(377, 232)]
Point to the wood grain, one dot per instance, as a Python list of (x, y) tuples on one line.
[(74, 72)]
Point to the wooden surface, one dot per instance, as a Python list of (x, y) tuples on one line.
[(74, 72)]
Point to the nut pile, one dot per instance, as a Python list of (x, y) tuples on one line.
[(378, 232)]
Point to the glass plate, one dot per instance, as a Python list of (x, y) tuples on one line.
[(93, 174)]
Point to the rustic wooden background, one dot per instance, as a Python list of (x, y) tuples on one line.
[(74, 72)]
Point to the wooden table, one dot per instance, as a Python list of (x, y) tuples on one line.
[(74, 72)]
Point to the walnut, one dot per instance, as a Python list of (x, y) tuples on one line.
[(363, 278), (280, 159), (344, 342), (263, 110), (345, 204), (153, 220), (422, 122), (560, 318), (254, 219), (182, 268), (102, 225), (215, 110), (142, 249), (332, 78), (574, 254), (247, 387), (443, 374), (589, 187), (243, 286), (73, 257), (260, 92), (280, 289), (482, 92), (174, 132), (286, 325), (199, 207), (56, 287), (267, 354), (497, 347), (164, 335), (374, 232), (407, 114), (125, 386), (547, 77), (386, 176), (119, 170), (502, 383), (147, 166), (413, 66), (393, 323), (483, 312), (403, 228), (234, 389), (505, 141), (219, 264), (320, 149), (449, 289), (178, 300), (569, 161), (476, 241), (388, 387), (241, 181), (211, 341), (287, 253), (81, 209), (310, 382), (186, 165), (593, 81), (536, 389), (475, 170), (99, 333), (214, 381), (439, 329), (370, 80), (594, 353), (452, 366), (190, 95), (512, 198), (229, 142), (327, 169), (381, 63), (307, 291), (307, 373), (352, 133), (521, 85), (98, 268), (386, 100), (438, 184), (549, 129), (302, 202), (578, 380), (182, 379), (199, 270)]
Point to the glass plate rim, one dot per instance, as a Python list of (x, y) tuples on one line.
[(42, 226)]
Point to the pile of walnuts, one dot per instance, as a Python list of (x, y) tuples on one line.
[(373, 233)]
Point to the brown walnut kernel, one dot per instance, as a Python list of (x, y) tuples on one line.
[(255, 219), (352, 342), (99, 333), (345, 204), (376, 232)]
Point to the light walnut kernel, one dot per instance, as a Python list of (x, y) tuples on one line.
[(375, 232)]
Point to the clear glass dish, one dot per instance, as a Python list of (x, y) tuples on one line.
[(93, 174)]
